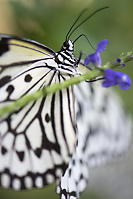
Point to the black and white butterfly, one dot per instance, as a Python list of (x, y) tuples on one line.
[(59, 136)]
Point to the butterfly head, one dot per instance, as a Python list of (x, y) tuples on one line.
[(65, 58), (68, 46), (65, 55)]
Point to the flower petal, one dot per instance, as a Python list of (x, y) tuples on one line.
[(109, 75), (125, 82), (93, 58), (102, 46), (107, 83), (112, 78), (86, 61)]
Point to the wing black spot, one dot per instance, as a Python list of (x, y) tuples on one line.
[(4, 80), (28, 78), (104, 108), (92, 89), (47, 118), (38, 152), (20, 155), (4, 47), (3, 150), (73, 162), (10, 89), (81, 161), (81, 176), (70, 171), (80, 111)]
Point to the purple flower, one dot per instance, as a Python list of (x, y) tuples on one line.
[(112, 78), (95, 58)]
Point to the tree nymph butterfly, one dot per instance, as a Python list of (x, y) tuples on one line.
[(58, 136)]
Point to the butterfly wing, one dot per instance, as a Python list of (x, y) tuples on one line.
[(16, 54), (106, 126), (36, 141), (103, 133)]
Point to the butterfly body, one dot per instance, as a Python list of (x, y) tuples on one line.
[(65, 58)]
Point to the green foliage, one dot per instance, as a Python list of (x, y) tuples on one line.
[(48, 21)]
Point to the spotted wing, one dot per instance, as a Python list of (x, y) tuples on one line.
[(104, 132), (107, 127), (16, 54), (36, 141)]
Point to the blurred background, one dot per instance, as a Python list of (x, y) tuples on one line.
[(48, 21)]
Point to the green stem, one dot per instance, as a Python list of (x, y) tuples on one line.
[(125, 57), (48, 90), (59, 86)]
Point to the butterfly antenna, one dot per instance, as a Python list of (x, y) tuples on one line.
[(96, 11), (82, 12), (83, 35)]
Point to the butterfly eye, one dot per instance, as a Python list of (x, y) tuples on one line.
[(66, 44)]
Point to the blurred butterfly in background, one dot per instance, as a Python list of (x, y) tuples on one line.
[(57, 137)]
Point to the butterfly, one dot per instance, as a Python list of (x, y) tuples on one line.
[(59, 136)]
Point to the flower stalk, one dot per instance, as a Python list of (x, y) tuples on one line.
[(124, 57), (65, 84)]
